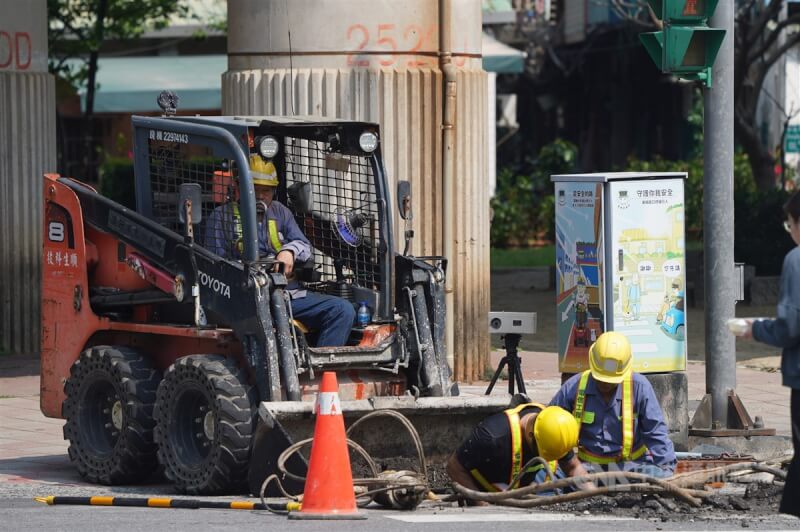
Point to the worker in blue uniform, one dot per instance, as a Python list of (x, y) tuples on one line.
[(280, 238), (621, 422)]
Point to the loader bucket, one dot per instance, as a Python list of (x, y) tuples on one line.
[(443, 423)]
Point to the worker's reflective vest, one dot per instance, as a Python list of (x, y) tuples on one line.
[(516, 451), (272, 227), (625, 454)]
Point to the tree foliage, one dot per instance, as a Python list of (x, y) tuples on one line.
[(523, 205), (78, 28), (762, 35)]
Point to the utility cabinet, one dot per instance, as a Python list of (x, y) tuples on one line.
[(620, 265)]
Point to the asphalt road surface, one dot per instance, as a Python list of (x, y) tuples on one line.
[(25, 514)]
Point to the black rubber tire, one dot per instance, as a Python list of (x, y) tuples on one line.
[(109, 415), (205, 420)]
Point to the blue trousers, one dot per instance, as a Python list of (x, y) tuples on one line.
[(332, 316), (791, 490)]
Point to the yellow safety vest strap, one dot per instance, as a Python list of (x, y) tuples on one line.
[(580, 398), (627, 420), (627, 417), (480, 479), (516, 438), (237, 230), (273, 236), (586, 456), (272, 225)]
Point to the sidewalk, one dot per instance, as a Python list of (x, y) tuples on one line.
[(759, 389)]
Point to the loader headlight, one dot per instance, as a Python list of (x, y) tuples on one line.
[(368, 141), (267, 146)]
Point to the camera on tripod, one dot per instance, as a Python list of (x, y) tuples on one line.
[(512, 325)]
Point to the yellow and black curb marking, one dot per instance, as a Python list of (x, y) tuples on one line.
[(154, 502)]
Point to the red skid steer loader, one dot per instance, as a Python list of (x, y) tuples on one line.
[(157, 348)]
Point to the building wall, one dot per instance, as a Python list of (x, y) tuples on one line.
[(27, 150), (377, 60), (792, 92)]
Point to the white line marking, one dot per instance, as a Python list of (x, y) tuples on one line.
[(469, 517)]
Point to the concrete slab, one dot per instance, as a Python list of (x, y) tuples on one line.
[(761, 447)]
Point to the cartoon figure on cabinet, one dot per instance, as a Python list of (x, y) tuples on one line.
[(581, 314), (634, 298), (672, 315)]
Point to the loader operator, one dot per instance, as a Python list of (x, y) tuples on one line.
[(621, 427), (280, 237), (502, 444)]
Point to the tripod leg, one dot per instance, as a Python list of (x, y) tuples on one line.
[(520, 381), (496, 375), (512, 374), (515, 374)]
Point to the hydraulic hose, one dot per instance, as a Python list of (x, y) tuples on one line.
[(413, 484), (695, 478)]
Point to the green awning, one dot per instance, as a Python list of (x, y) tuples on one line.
[(501, 58), (131, 84)]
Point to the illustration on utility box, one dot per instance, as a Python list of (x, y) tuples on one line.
[(620, 256), (578, 271)]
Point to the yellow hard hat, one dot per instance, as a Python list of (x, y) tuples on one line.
[(556, 432), (610, 357), (263, 172)]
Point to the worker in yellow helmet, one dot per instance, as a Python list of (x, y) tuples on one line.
[(493, 456), (621, 422), (280, 238)]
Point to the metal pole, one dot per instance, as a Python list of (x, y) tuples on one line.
[(448, 185), (718, 223)]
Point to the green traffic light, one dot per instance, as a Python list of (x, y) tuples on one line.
[(683, 10)]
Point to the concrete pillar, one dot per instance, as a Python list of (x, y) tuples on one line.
[(27, 150), (378, 60)]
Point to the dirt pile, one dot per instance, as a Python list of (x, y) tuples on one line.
[(756, 499)]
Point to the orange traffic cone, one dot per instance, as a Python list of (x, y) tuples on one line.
[(328, 491)]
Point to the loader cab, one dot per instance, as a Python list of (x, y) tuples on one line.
[(330, 176)]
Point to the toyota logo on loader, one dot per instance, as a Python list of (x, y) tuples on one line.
[(214, 284)]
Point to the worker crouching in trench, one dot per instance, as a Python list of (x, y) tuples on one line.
[(493, 457)]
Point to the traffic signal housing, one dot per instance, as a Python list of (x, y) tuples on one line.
[(686, 46)]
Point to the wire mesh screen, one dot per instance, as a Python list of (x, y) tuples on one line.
[(172, 165), (341, 220)]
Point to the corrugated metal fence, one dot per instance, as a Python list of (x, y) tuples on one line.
[(27, 150)]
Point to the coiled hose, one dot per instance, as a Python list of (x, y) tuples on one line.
[(403, 489)]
